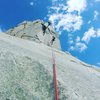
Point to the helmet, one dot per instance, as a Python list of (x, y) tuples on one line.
[(49, 23)]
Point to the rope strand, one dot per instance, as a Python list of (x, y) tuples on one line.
[(54, 75)]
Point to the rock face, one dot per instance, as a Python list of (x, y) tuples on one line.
[(26, 73), (34, 31)]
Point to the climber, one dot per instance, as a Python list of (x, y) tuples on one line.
[(44, 27), (49, 23), (53, 39)]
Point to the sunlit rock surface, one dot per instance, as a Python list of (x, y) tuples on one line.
[(26, 72), (34, 31)]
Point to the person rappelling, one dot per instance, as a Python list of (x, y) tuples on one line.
[(53, 39), (44, 27)]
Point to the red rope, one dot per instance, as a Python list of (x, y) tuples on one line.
[(54, 76), (55, 82)]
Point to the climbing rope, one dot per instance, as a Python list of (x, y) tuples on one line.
[(54, 74), (54, 67)]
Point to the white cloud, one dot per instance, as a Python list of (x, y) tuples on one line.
[(62, 18), (72, 48), (71, 42), (81, 46), (87, 35), (31, 3), (68, 22), (98, 33), (78, 39), (1, 30), (76, 5), (53, 1), (97, 0), (98, 63), (70, 39), (91, 33), (89, 22), (66, 16), (77, 45), (56, 9), (96, 13)]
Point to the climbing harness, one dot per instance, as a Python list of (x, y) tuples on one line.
[(54, 74)]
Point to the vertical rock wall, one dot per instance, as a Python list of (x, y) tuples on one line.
[(34, 31)]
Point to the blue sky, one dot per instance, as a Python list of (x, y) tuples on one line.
[(76, 21)]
